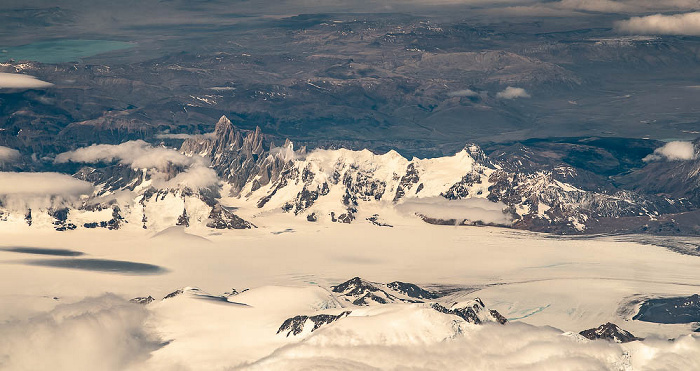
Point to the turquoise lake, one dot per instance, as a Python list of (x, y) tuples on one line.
[(58, 51)]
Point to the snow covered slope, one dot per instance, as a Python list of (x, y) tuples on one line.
[(202, 317)]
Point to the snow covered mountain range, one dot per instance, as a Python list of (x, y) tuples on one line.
[(232, 179)]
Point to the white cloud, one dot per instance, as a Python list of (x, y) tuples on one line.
[(195, 177), (103, 333), (141, 155), (626, 6), (8, 155), (659, 24), (463, 93), (137, 153), (512, 93), (540, 10), (22, 191), (568, 8), (472, 209), (50, 184), (20, 81), (594, 5), (673, 151), (515, 346)]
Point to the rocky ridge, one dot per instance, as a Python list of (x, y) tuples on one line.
[(357, 292), (609, 331)]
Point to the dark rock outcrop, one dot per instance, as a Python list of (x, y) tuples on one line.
[(407, 181), (222, 217), (472, 312), (142, 300), (412, 290), (374, 219), (241, 156), (296, 325), (361, 292), (609, 331), (174, 294)]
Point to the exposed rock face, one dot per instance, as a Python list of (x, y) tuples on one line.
[(296, 325), (361, 292), (183, 219), (222, 217), (407, 181), (111, 224), (412, 290), (472, 311), (461, 189), (142, 300), (61, 219), (174, 294), (241, 157), (609, 331), (113, 178), (374, 219)]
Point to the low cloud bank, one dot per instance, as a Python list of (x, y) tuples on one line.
[(673, 151), (515, 346), (659, 24), (22, 191), (49, 184), (564, 8), (135, 153), (512, 93), (8, 155), (103, 333), (196, 177), (20, 81), (141, 155), (626, 6), (471, 209)]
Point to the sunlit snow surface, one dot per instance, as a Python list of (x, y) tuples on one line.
[(59, 318)]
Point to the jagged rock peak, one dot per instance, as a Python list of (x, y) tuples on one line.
[(477, 154), (225, 134), (296, 325), (609, 331), (254, 142), (472, 311), (353, 285), (143, 300), (223, 125), (360, 292), (412, 290)]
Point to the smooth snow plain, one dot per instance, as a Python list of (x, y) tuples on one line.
[(549, 288)]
